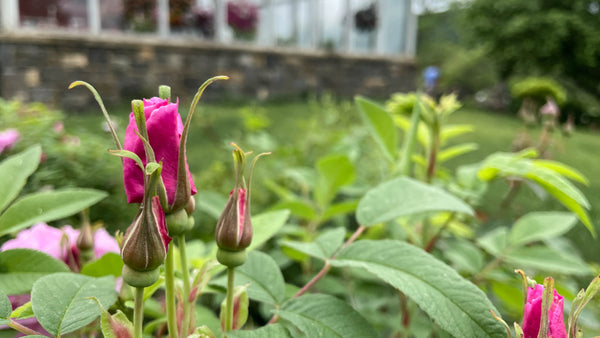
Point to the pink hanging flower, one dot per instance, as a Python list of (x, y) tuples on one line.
[(8, 139), (164, 127), (533, 312)]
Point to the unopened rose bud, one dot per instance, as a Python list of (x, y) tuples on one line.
[(234, 228), (146, 241), (85, 243), (85, 240)]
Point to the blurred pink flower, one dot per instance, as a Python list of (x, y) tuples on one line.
[(58, 127), (8, 138), (533, 312), (47, 239), (550, 108), (242, 15)]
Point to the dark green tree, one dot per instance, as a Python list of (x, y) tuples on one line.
[(540, 37)]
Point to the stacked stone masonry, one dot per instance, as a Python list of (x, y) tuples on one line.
[(38, 67)]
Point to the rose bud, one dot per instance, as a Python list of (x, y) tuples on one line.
[(146, 242), (234, 228)]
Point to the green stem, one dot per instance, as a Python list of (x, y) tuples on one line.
[(187, 310), (433, 152), (410, 139), (170, 293), (23, 329), (138, 313), (230, 291)]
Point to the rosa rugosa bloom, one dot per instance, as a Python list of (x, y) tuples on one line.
[(47, 239), (164, 126), (533, 312), (8, 138)]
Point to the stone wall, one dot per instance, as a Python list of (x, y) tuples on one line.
[(38, 67)]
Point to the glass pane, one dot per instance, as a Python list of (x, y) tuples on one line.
[(63, 14), (112, 14)]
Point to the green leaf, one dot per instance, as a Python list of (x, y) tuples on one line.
[(5, 308), (266, 225), (206, 316), (325, 316), (563, 170), (298, 208), (537, 226), (543, 258), (264, 276), (23, 311), (547, 174), (464, 255), (110, 264), (582, 299), (61, 302), (130, 155), (381, 125), (564, 191), (323, 247), (405, 196), (495, 241), (211, 203), (22, 267), (457, 150), (337, 209), (47, 206), (334, 171), (270, 331), (551, 180), (454, 303), (14, 172), (451, 131)]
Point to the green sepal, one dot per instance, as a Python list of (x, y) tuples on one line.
[(104, 112), (140, 279), (231, 258), (114, 326), (183, 189), (177, 222)]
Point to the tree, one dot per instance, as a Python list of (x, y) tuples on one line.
[(540, 37)]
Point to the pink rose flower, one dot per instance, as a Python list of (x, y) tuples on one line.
[(8, 139), (47, 239), (164, 126), (533, 312)]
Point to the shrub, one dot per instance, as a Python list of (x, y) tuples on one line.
[(539, 88)]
